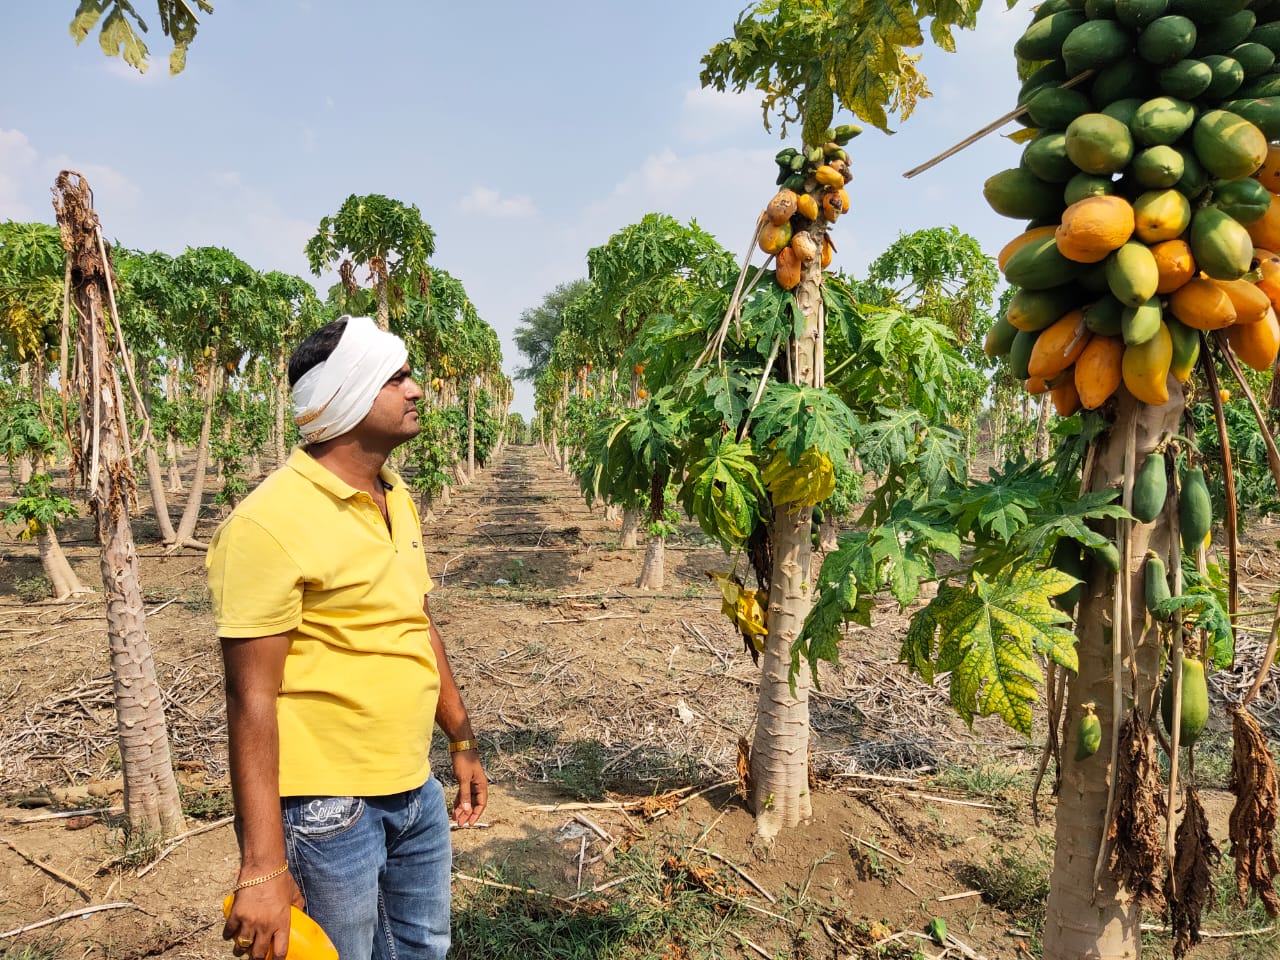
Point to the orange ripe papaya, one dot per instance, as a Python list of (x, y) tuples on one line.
[(1035, 385), (1265, 231), (1174, 264), (1268, 266), (1256, 344), (1066, 399), (1020, 241), (781, 207), (774, 237), (1059, 345), (1269, 173), (1093, 227), (1201, 303), (788, 269), (1250, 302), (1098, 370)]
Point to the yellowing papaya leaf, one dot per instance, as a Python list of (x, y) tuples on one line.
[(730, 588), (1024, 135), (751, 618), (810, 481)]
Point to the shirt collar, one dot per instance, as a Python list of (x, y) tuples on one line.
[(330, 482)]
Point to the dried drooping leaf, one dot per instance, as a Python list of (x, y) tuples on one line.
[(1136, 834), (683, 875), (1190, 886), (744, 768), (1257, 807)]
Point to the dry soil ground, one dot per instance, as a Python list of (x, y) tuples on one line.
[(583, 691)]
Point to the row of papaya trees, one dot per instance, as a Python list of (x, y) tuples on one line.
[(209, 338), (764, 399), (115, 361)]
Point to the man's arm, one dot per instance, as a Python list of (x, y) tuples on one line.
[(451, 717), (254, 669)]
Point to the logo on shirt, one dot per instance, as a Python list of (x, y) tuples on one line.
[(415, 544)]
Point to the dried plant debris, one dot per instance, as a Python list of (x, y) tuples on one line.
[(1190, 887), (1253, 818), (1136, 834)]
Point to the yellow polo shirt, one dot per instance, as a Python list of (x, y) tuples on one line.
[(309, 556)]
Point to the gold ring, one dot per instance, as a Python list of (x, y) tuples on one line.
[(244, 942)]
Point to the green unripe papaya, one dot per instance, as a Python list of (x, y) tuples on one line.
[(1195, 702), (1150, 489), (1068, 559), (1088, 734), (999, 339), (1105, 316), (1195, 510), (1139, 324), (1157, 582), (1108, 554)]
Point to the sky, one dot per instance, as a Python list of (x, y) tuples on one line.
[(525, 133)]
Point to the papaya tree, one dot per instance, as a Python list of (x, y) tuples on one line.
[(387, 237), (807, 59), (289, 306), (152, 805), (120, 30)]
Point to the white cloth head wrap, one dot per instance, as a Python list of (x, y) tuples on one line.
[(333, 396)]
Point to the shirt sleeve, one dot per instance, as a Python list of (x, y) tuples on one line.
[(256, 587)]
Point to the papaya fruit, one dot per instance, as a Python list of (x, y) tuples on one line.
[(1046, 157), (1265, 231), (1145, 368), (1123, 110), (1174, 264), (1050, 74), (1021, 240), (1207, 11), (1228, 77), (1107, 554), (1262, 112), (999, 338), (1093, 227), (1139, 324), (1035, 386), (1068, 559), (1024, 343), (806, 206), (1084, 185), (1098, 371), (1033, 310), (774, 237), (1099, 144), (1129, 77), (1095, 44), (1044, 38), (1066, 399), (1267, 265), (828, 176), (1254, 59), (1195, 702), (1132, 274), (1136, 14), (1267, 85), (1195, 510), (782, 207), (1155, 167), (1243, 200), (1186, 349), (1223, 34), (1256, 344), (1105, 316), (1058, 346), (1222, 247), (1249, 301), (1228, 145), (1088, 734), (787, 269), (1186, 79), (1195, 179), (1203, 305), (1162, 121), (1150, 489), (804, 247), (1166, 40), (1038, 266), (1160, 215), (1267, 34), (1157, 582)]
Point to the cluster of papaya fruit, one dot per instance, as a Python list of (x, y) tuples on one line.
[(1147, 181), (812, 192)]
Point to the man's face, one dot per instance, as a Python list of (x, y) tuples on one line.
[(394, 414)]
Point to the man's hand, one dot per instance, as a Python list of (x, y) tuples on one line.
[(473, 788), (258, 925)]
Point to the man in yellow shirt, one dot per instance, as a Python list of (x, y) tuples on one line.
[(336, 674)]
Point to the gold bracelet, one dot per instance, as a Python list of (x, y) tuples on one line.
[(257, 880), (458, 746)]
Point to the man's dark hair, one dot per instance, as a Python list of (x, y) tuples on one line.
[(315, 349)]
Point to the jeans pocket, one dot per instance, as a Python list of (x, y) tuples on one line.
[(320, 818)]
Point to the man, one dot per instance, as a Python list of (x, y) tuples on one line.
[(335, 673)]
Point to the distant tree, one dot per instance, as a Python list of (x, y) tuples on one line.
[(119, 33), (539, 326), (385, 235)]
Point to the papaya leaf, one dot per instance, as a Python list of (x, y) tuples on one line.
[(839, 601), (723, 491), (988, 634), (1202, 606), (796, 417), (1067, 517)]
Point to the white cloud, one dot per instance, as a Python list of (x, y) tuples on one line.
[(709, 116), (26, 177), (17, 161), (487, 202)]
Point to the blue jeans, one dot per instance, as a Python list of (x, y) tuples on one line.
[(375, 870)]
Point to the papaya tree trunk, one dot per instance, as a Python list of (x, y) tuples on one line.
[(653, 575), (191, 514), (1103, 922), (383, 318), (282, 402), (1042, 427), (159, 502), (630, 535), (471, 430), (151, 801), (780, 750), (62, 578)]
